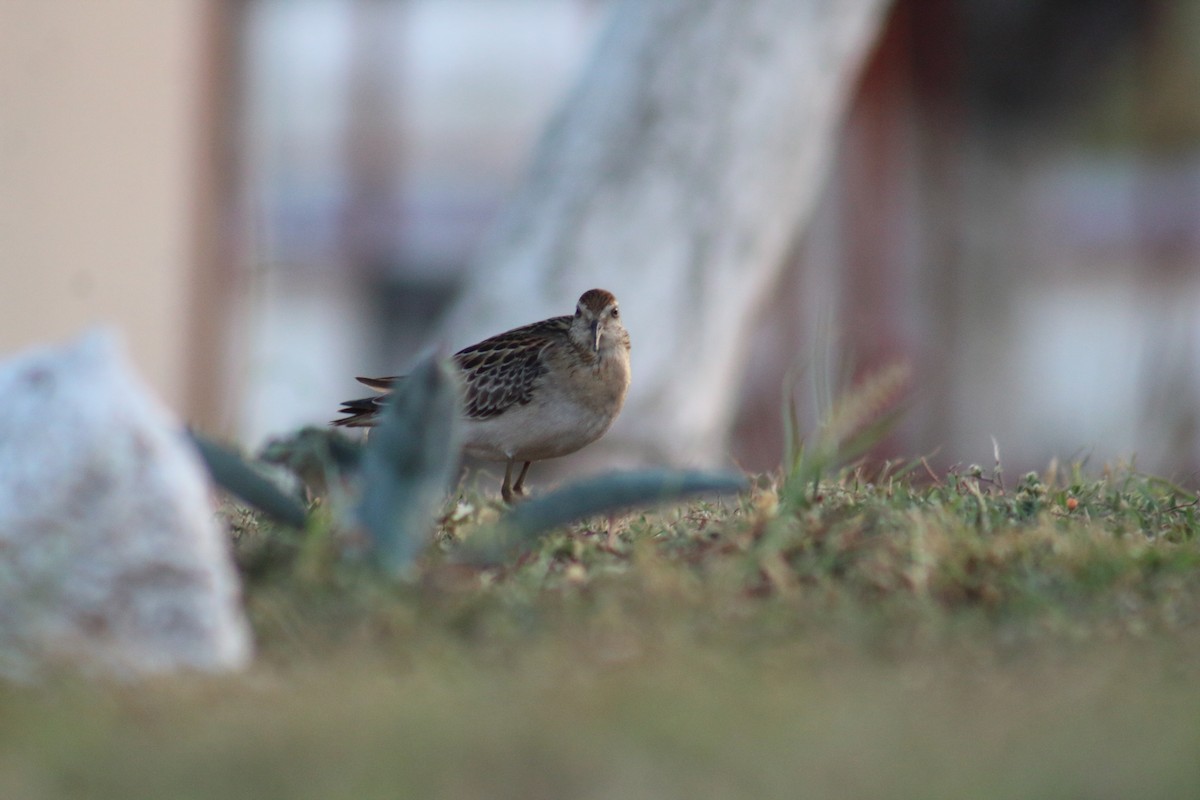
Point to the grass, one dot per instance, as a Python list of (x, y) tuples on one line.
[(910, 635)]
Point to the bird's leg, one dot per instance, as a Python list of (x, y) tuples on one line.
[(519, 487), (505, 490)]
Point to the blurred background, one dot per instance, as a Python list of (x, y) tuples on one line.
[(271, 196)]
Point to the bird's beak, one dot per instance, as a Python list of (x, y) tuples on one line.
[(596, 335)]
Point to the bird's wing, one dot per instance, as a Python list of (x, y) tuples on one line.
[(498, 373), (502, 372)]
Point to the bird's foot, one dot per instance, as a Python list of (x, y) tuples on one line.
[(514, 497)]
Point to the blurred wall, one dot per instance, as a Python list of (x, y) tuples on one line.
[(103, 180), (271, 196), (1014, 213)]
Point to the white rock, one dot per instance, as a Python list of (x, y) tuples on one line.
[(111, 558)]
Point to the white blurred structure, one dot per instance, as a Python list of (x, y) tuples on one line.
[(691, 151), (113, 561)]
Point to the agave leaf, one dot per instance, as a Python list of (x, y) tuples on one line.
[(606, 494), (320, 457), (408, 464), (234, 474)]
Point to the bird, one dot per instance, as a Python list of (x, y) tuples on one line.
[(539, 391)]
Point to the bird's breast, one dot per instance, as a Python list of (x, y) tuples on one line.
[(601, 387)]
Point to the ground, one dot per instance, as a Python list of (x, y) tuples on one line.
[(911, 635)]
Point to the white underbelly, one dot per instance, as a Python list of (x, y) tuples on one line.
[(534, 431)]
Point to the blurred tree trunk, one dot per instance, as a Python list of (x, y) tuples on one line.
[(677, 174)]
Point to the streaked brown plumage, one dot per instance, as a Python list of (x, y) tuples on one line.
[(539, 391)]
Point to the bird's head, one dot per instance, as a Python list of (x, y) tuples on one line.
[(597, 323)]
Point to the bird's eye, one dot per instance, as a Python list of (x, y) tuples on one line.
[(578, 311), (616, 312)]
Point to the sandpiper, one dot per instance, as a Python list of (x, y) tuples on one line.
[(539, 391)]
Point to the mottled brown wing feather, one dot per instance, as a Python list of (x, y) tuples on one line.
[(498, 373), (503, 371)]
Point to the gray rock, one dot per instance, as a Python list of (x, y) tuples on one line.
[(111, 559)]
